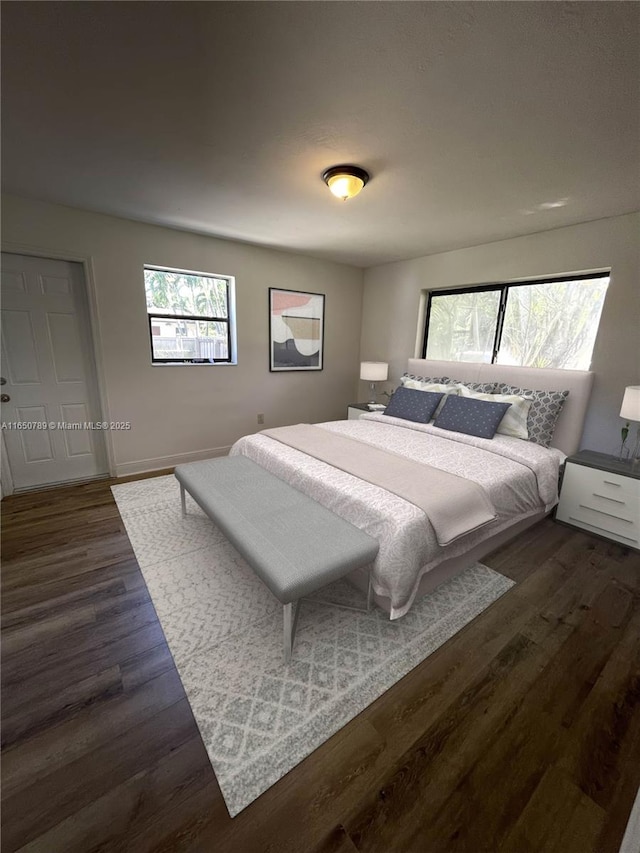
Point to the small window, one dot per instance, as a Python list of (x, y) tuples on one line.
[(190, 317), (545, 323)]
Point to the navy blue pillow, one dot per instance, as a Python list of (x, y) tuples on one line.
[(471, 416), (413, 405)]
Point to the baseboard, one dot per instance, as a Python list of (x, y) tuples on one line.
[(142, 466)]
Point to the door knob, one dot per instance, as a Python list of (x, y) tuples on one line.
[(4, 398), (3, 381)]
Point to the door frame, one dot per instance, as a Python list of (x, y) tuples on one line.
[(6, 477), (96, 340)]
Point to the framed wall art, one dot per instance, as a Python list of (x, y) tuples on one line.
[(296, 330)]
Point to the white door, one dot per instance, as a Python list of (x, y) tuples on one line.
[(49, 374)]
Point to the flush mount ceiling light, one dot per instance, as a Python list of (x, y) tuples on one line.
[(345, 181)]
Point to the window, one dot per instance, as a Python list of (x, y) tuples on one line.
[(544, 323), (190, 317)]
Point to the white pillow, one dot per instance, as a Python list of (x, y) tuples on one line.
[(514, 422), (421, 385)]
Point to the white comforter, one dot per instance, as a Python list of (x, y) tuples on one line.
[(520, 478)]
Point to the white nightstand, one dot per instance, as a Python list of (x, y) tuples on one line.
[(356, 410), (600, 494)]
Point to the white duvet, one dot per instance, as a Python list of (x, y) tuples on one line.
[(519, 477)]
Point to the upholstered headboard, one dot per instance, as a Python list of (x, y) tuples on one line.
[(568, 431)]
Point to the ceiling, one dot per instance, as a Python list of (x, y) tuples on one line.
[(477, 121)]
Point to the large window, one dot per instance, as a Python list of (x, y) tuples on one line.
[(190, 316), (545, 323)]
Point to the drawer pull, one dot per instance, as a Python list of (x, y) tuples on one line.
[(611, 483), (602, 512), (607, 498), (595, 527)]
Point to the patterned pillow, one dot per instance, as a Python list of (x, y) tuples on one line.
[(429, 380), (442, 388), (413, 405), (544, 412), (480, 387), (514, 423), (412, 381), (471, 416)]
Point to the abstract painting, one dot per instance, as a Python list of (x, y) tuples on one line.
[(296, 330)]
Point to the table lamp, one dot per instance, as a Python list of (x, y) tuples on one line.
[(630, 411), (372, 372)]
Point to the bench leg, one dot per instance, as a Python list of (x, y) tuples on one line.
[(290, 613), (183, 500)]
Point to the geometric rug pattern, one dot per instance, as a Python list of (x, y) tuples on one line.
[(257, 715)]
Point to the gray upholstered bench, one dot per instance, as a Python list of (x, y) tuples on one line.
[(293, 543)]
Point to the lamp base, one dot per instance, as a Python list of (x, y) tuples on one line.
[(635, 456), (372, 392)]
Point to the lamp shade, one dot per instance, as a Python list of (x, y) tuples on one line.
[(374, 371), (630, 408)]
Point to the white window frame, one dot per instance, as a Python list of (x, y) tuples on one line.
[(230, 320)]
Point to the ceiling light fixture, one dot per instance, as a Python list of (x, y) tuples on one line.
[(345, 181)]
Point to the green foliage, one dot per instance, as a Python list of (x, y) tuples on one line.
[(553, 325), (545, 325), (463, 323), (180, 293)]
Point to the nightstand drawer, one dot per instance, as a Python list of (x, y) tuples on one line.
[(630, 538), (608, 485), (627, 528), (622, 506), (601, 502)]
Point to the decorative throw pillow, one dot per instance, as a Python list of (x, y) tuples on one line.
[(514, 423), (471, 416), (436, 387), (413, 405), (441, 388), (422, 379), (410, 380), (480, 387), (544, 411)]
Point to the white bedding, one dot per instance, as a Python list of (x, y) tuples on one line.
[(520, 478)]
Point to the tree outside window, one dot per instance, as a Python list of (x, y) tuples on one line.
[(549, 323), (189, 316)]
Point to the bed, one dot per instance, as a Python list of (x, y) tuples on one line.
[(519, 478)]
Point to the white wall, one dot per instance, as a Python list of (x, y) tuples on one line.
[(187, 412), (392, 299)]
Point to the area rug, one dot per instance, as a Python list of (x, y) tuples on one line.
[(258, 716), (631, 838)]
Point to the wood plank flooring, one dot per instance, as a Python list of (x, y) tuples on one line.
[(521, 734)]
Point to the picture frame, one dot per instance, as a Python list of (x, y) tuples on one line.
[(296, 330)]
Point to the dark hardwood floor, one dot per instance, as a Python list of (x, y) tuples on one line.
[(522, 733)]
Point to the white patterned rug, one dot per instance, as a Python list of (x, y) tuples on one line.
[(257, 716)]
